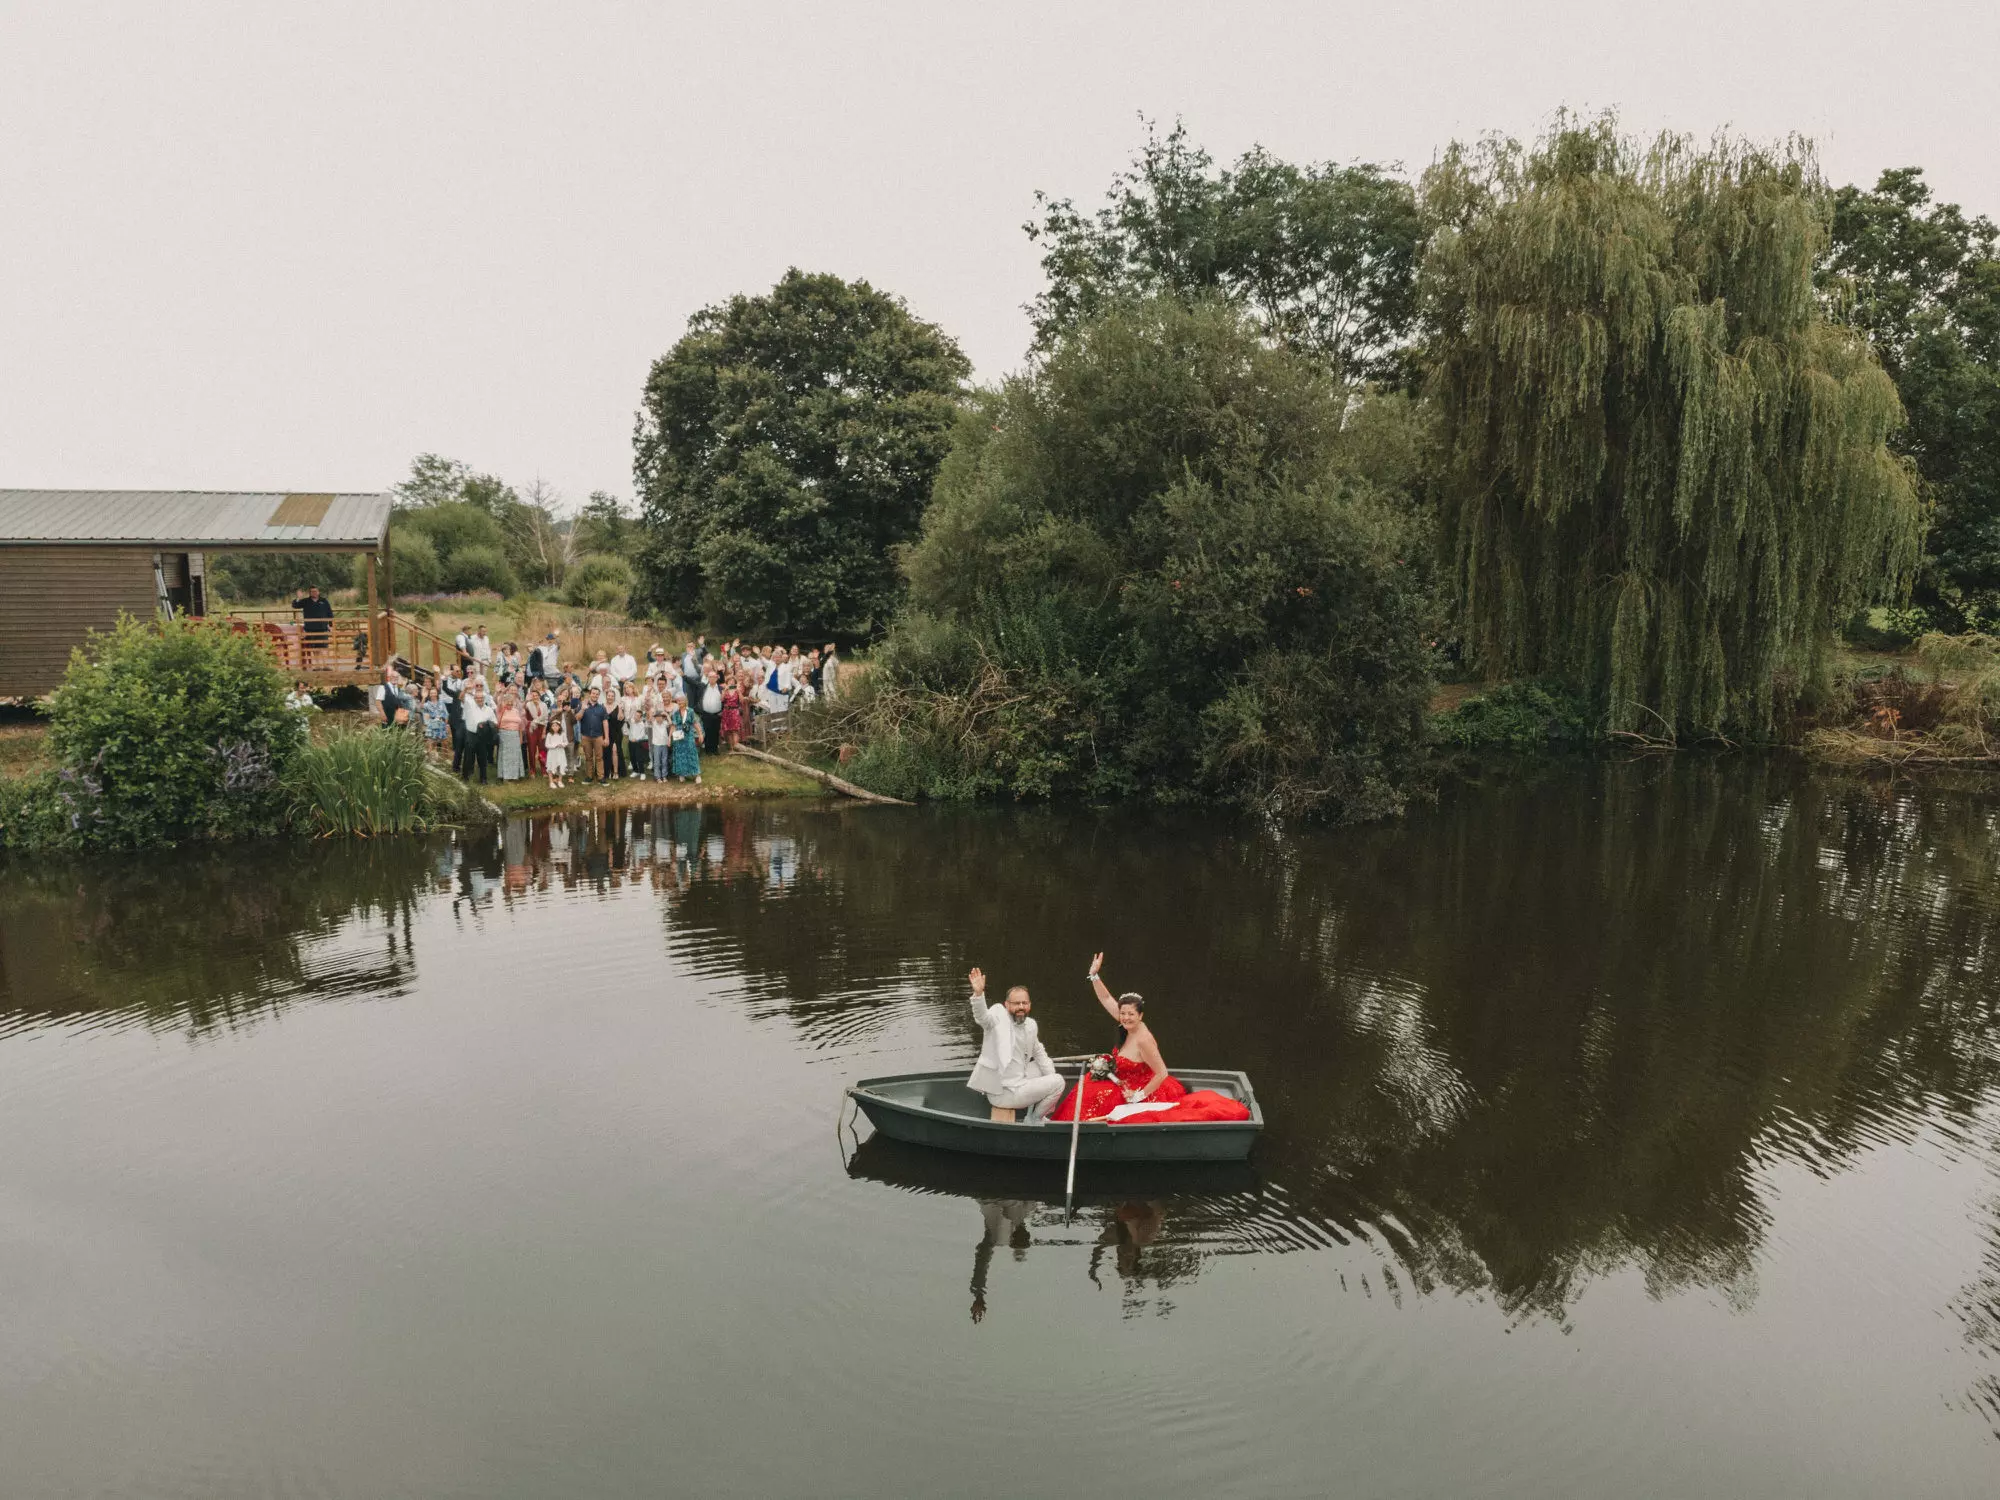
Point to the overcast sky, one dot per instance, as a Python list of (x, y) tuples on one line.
[(277, 246)]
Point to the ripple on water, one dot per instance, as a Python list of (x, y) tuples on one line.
[(1562, 1091)]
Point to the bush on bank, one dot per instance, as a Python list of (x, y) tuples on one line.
[(177, 732), (161, 734), (371, 782), (1152, 568), (1520, 716)]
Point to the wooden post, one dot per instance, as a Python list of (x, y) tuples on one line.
[(389, 601), (374, 635)]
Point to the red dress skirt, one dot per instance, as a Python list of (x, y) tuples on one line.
[(1102, 1095)]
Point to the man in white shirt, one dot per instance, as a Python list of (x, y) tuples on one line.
[(482, 733), (710, 709), (624, 666), (1014, 1071), (482, 648)]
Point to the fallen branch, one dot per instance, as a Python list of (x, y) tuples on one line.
[(845, 788), (1851, 747)]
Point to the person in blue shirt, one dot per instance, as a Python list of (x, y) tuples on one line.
[(590, 735)]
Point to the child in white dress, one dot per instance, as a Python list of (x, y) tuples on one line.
[(556, 744)]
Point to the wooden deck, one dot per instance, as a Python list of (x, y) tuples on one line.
[(351, 651)]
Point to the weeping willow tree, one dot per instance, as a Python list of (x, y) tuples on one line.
[(1668, 476)]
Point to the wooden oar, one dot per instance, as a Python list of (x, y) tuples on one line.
[(1075, 1130)]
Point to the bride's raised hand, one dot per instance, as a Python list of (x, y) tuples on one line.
[(1096, 963)]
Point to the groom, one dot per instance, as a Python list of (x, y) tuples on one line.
[(1014, 1071)]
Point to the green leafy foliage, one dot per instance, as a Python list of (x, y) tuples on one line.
[(457, 508), (1668, 480), (163, 734), (786, 447), (451, 545), (1323, 256), (605, 527), (1523, 716), (436, 480), (599, 582), (236, 576), (1151, 569), (1923, 282), (479, 567), (371, 782)]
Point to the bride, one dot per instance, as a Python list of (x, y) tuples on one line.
[(1142, 1088)]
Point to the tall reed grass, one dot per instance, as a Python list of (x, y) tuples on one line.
[(370, 782)]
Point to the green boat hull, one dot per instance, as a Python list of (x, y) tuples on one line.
[(938, 1110)]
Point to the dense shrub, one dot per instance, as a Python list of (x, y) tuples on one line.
[(453, 526), (34, 814), (162, 734), (416, 569), (372, 782), (455, 546), (598, 581), (1520, 716), (274, 575), (1152, 567), (479, 567)]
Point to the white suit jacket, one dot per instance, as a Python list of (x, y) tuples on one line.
[(994, 1070)]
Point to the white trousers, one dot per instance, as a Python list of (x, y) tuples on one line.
[(1037, 1095)]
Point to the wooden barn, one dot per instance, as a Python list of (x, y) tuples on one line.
[(72, 561)]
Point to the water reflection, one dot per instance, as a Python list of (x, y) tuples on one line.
[(208, 940), (1552, 1028), (1149, 1226)]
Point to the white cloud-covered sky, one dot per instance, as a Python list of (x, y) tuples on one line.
[(284, 246)]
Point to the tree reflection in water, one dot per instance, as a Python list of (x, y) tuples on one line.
[(1555, 1026), (210, 939)]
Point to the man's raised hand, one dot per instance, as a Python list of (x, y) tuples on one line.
[(978, 978)]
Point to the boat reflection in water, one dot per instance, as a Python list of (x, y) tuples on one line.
[(1123, 1211)]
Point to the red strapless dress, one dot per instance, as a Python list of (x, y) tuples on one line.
[(1102, 1095)]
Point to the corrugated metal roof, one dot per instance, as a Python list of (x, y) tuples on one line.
[(199, 519)]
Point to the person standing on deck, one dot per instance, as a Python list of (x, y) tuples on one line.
[(317, 615), (1014, 1070)]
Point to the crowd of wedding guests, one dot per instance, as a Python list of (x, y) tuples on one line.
[(496, 712)]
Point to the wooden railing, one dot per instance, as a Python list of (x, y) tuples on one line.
[(422, 648), (349, 643), (343, 644)]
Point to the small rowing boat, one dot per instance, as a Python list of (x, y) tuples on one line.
[(937, 1109)]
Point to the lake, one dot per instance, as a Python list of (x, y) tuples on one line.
[(1634, 1129)]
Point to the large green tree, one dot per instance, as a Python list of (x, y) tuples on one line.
[(1668, 473), (1923, 281), (785, 449), (1152, 569), (1323, 256)]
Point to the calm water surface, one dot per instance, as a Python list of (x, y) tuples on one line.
[(1634, 1130)]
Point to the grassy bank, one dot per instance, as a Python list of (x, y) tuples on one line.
[(724, 778), (1936, 703)]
